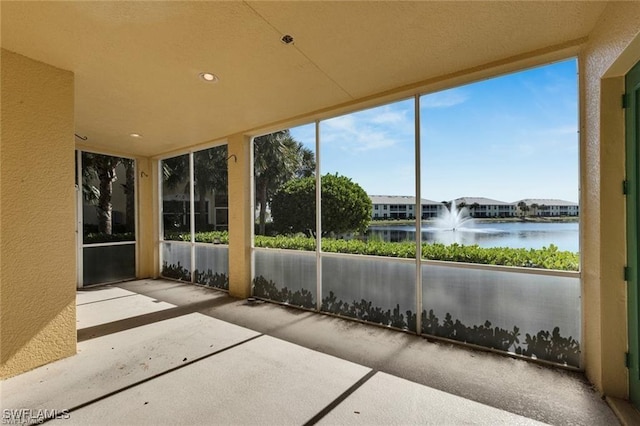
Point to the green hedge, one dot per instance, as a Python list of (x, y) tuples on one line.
[(216, 237), (545, 258), (94, 238)]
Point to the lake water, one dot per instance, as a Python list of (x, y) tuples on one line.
[(493, 234)]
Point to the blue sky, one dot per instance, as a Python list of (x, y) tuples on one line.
[(507, 138)]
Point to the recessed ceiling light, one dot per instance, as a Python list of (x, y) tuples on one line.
[(208, 77), (135, 135)]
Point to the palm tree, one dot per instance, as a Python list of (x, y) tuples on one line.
[(210, 176), (473, 208), (102, 168), (175, 171), (129, 191), (523, 208), (543, 209), (277, 159), (308, 162), (534, 209)]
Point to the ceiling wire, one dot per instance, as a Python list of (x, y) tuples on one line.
[(301, 52)]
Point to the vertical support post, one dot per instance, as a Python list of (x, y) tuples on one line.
[(252, 209), (136, 216), (318, 221), (79, 220), (418, 210), (240, 215), (192, 217), (160, 224), (148, 213)]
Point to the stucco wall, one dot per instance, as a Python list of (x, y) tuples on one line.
[(602, 201), (148, 214), (38, 264), (240, 216)]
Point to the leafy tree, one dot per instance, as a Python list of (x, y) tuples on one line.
[(103, 169), (278, 158), (534, 208), (524, 208), (90, 193), (210, 175), (307, 162), (543, 209), (129, 191), (473, 207), (294, 206), (175, 172), (346, 207)]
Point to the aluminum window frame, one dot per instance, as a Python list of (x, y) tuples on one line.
[(80, 219)]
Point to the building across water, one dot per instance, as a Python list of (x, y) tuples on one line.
[(544, 207), (403, 207)]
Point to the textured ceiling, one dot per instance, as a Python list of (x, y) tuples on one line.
[(136, 64)]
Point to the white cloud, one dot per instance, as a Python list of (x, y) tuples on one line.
[(369, 140), (389, 117), (444, 99), (344, 123), (367, 130)]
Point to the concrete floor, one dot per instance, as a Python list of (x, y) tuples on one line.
[(162, 352)]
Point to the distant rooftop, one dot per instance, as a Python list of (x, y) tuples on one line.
[(399, 199), (546, 201), (481, 201)]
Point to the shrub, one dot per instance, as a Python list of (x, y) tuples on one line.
[(544, 258), (94, 238), (346, 207)]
